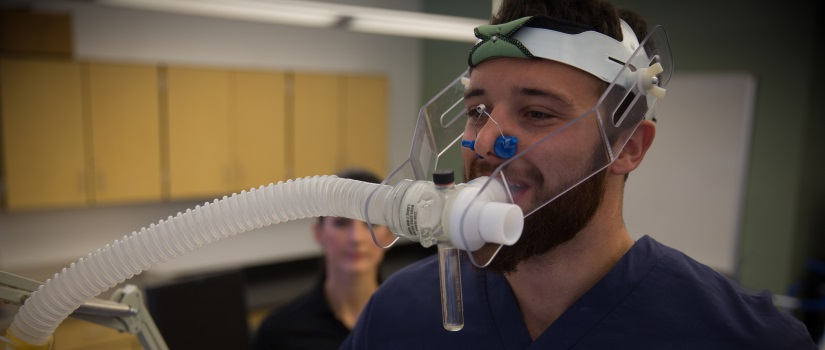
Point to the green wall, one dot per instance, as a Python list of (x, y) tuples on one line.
[(776, 43), (442, 61)]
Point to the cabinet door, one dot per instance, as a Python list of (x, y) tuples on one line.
[(365, 123), (317, 138), (43, 136), (199, 132), (123, 108), (260, 135)]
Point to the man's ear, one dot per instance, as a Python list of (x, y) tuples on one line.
[(635, 149)]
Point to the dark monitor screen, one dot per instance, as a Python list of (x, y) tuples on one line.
[(204, 312)]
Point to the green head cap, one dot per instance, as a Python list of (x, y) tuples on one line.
[(532, 37), (497, 41)]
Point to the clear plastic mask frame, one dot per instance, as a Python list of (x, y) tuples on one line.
[(436, 143)]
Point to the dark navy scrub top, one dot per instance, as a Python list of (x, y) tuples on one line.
[(307, 322), (654, 298)]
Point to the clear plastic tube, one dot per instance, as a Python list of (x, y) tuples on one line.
[(449, 275), (103, 269)]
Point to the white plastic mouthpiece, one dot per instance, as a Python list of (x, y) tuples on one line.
[(500, 223), (487, 218)]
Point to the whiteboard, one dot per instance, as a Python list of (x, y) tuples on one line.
[(688, 193)]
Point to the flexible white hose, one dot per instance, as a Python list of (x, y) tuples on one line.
[(103, 269)]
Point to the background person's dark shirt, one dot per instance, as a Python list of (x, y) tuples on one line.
[(305, 323)]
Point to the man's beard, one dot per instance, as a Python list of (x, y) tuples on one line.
[(555, 223)]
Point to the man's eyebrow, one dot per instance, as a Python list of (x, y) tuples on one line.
[(546, 93), (473, 93)]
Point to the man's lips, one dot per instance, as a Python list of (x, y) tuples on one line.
[(519, 189), (521, 180)]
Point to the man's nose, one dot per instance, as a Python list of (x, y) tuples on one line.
[(494, 142)]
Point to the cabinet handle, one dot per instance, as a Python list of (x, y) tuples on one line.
[(239, 173), (81, 182)]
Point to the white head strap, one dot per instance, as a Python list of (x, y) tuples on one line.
[(585, 49)]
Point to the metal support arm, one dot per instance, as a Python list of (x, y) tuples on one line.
[(125, 312)]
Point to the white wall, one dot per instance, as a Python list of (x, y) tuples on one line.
[(689, 191), (39, 242)]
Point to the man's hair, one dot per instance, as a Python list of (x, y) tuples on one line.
[(599, 14), (355, 174), (360, 175)]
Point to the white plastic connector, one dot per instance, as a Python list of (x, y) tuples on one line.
[(465, 81), (488, 219), (646, 78)]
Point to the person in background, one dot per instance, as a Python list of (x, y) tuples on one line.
[(322, 317)]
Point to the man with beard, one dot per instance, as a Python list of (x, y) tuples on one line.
[(575, 278)]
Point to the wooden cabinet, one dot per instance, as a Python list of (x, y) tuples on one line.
[(226, 130), (79, 133), (339, 122), (43, 134), (123, 112), (317, 136), (365, 123), (100, 133), (259, 113), (198, 132)]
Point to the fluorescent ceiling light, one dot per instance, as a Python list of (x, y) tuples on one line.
[(257, 11), (417, 25), (402, 29), (319, 14)]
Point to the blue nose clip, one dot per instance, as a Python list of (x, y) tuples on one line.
[(471, 144), (505, 146)]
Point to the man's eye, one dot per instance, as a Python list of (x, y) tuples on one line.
[(474, 117), (472, 113), (538, 115)]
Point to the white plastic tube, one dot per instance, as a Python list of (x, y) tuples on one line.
[(103, 269)]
